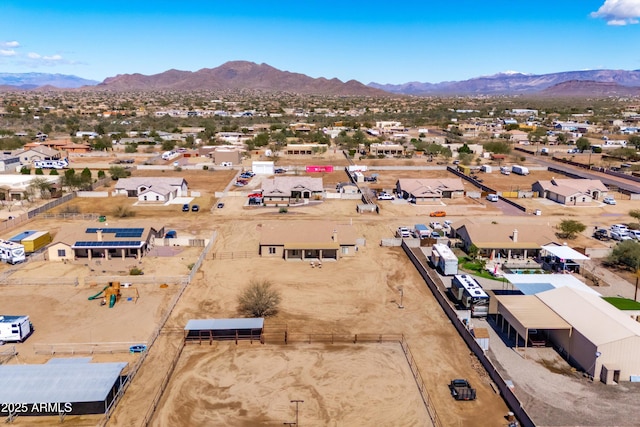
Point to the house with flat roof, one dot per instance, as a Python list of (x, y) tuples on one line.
[(291, 190), (426, 191), (152, 189), (574, 192), (307, 240), (128, 240), (504, 241), (386, 149)]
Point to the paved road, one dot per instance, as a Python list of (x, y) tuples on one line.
[(606, 179)]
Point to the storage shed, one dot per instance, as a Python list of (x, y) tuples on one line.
[(224, 329)]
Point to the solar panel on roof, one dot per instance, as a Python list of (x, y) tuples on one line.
[(108, 244)]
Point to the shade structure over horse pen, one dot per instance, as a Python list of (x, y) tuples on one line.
[(224, 329)]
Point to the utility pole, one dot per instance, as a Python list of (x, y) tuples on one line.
[(297, 402), (635, 295)]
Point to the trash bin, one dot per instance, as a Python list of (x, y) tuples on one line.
[(102, 218), (538, 212)]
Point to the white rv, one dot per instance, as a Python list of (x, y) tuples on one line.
[(443, 258), (51, 164), (468, 292), (520, 170), (11, 252), (14, 328)]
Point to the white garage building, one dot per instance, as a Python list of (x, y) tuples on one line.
[(262, 168)]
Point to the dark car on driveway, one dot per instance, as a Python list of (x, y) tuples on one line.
[(195, 208), (601, 234), (185, 207), (220, 205)]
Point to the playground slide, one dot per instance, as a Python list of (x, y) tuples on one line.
[(112, 301), (96, 296)]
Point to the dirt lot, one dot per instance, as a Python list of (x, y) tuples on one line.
[(368, 384), (353, 295)]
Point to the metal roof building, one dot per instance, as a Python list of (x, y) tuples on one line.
[(63, 386), (605, 341), (531, 284), (590, 332), (223, 329)]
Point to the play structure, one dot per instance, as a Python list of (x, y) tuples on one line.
[(113, 292)]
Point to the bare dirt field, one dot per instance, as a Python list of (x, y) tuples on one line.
[(252, 385), (353, 295)]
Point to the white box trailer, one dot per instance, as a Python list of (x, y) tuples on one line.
[(14, 328), (520, 170), (11, 252), (443, 259), (421, 231)]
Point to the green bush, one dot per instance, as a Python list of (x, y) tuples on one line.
[(283, 210), (135, 271)]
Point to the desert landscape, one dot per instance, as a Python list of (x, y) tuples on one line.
[(252, 384)]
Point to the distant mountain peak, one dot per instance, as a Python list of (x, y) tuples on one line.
[(238, 75), (515, 83), (33, 80)]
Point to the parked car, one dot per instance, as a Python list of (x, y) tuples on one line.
[(634, 234), (195, 208), (435, 235), (438, 214), (621, 228), (220, 205), (462, 390), (492, 197), (609, 200), (403, 232), (255, 195), (185, 207), (435, 225), (385, 196), (601, 234), (618, 235), (280, 170)]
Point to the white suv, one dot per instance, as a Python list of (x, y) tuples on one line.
[(403, 232), (618, 235), (620, 228), (635, 234)]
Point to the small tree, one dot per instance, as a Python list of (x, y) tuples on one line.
[(118, 172), (570, 227), (635, 214), (39, 171), (583, 143), (25, 170), (626, 253), (259, 300)]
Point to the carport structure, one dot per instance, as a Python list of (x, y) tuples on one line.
[(524, 313), (224, 329)]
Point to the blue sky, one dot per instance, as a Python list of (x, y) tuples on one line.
[(369, 41)]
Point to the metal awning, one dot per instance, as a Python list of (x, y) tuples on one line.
[(224, 324), (565, 252), (526, 312)]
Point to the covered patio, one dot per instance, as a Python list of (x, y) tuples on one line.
[(526, 313)]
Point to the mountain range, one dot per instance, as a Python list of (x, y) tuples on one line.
[(28, 81), (519, 83), (263, 77)]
